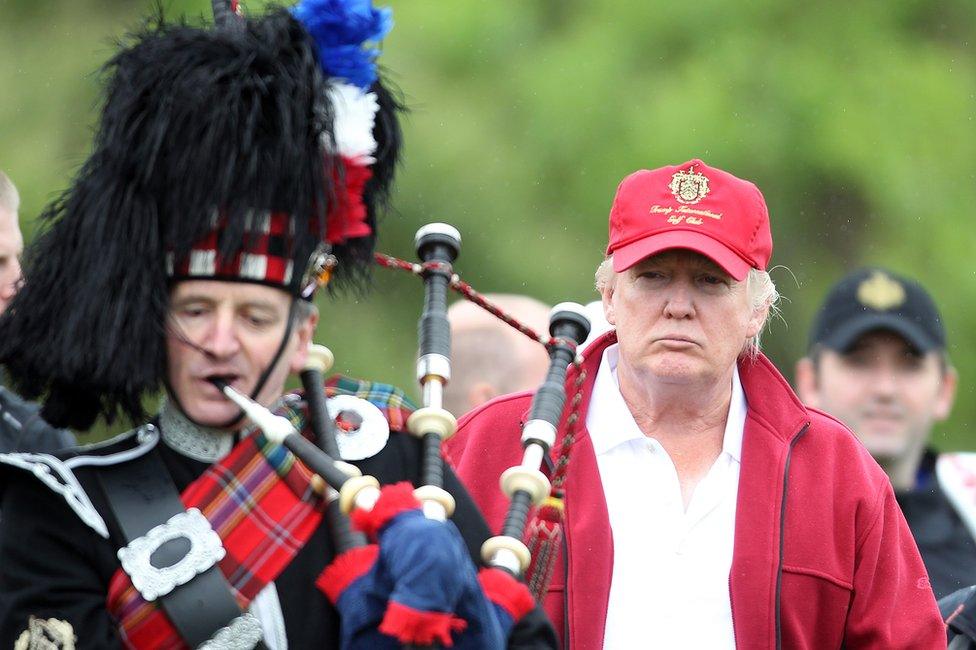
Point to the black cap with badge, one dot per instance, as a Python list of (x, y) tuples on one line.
[(873, 299)]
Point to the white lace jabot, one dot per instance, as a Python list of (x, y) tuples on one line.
[(197, 442)]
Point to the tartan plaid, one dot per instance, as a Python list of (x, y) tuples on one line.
[(260, 502), (265, 258), (389, 399)]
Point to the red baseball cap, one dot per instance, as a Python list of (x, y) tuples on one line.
[(691, 206)]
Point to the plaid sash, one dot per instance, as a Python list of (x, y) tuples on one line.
[(261, 503)]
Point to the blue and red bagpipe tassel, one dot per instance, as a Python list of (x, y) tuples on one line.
[(418, 587), (511, 598)]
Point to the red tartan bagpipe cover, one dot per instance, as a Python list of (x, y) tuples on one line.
[(416, 585)]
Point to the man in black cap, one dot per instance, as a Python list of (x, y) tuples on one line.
[(877, 361)]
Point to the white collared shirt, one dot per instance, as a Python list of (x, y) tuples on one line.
[(670, 586)]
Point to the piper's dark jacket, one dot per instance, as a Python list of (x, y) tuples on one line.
[(55, 566), (23, 429)]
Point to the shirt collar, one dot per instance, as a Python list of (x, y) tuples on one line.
[(735, 422), (610, 422), (608, 419)]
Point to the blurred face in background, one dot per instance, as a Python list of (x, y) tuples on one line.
[(11, 248), (888, 393)]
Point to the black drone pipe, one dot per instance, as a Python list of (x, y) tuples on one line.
[(525, 484)]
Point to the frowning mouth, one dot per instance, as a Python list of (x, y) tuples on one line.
[(676, 341)]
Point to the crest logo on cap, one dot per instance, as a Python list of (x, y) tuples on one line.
[(880, 292), (689, 187)]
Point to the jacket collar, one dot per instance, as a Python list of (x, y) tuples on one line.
[(771, 400)]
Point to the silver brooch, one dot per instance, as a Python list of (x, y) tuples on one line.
[(319, 271), (206, 549)]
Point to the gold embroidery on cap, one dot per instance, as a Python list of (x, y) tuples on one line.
[(685, 210), (50, 634), (689, 187), (880, 292)]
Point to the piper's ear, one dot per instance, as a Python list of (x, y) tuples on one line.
[(303, 339)]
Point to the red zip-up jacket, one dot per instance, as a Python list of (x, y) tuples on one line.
[(822, 555)]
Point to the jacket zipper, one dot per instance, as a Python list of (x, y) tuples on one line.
[(782, 530), (782, 533), (735, 641)]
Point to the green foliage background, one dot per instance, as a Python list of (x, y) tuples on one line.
[(855, 117)]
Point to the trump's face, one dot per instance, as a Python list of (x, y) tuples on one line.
[(680, 319)]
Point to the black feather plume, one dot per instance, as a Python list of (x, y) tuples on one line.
[(194, 119)]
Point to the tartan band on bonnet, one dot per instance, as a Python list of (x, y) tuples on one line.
[(265, 257)]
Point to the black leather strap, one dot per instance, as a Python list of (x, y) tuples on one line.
[(141, 495)]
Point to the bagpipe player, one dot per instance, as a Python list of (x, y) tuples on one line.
[(235, 169)]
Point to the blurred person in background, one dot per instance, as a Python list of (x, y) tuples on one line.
[(490, 358), (705, 506), (877, 361), (21, 426)]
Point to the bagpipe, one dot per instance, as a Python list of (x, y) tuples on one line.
[(402, 574)]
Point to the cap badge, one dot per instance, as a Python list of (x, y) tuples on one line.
[(689, 187), (880, 292), (321, 265)]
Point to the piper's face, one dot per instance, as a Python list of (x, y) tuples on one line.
[(680, 319), (888, 393), (11, 248), (231, 331)]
